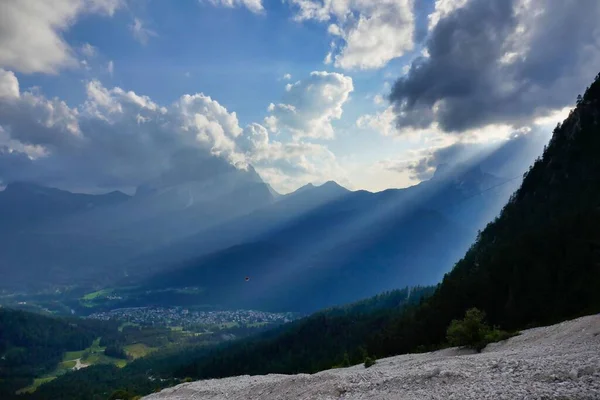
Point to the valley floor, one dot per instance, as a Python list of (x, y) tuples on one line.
[(556, 362)]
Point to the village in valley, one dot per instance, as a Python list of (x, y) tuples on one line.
[(186, 317)]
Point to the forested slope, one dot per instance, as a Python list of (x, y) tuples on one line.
[(539, 261)]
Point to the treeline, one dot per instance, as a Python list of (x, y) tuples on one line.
[(152, 336), (116, 351), (33, 344)]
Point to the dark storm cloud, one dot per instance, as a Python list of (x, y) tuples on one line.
[(501, 61)]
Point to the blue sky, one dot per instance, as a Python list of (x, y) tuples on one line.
[(235, 60)]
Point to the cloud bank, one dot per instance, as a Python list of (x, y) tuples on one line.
[(120, 139)]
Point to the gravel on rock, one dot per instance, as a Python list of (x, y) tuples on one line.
[(555, 362)]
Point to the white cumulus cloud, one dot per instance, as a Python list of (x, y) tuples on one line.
[(121, 139), (287, 166), (309, 106), (116, 138), (9, 84), (372, 32), (31, 32), (255, 6)]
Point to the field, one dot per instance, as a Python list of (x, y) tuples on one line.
[(36, 383), (95, 355), (73, 355), (126, 324), (99, 293), (70, 364), (92, 299), (138, 350)]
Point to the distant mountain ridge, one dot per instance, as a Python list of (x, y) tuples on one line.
[(324, 240), (330, 187), (64, 247), (24, 203), (342, 246)]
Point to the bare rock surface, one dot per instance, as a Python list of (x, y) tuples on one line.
[(555, 362)]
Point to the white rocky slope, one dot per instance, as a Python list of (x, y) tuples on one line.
[(555, 362)]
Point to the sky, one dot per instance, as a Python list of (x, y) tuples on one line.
[(97, 95)]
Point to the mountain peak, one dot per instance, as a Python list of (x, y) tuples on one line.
[(308, 186), (327, 187), (332, 184), (193, 166)]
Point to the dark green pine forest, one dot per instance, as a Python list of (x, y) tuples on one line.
[(537, 263), (31, 344)]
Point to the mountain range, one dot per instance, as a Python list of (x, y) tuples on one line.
[(225, 233), (309, 249), (537, 263), (341, 245)]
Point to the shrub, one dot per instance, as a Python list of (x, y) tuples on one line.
[(469, 332), (472, 332), (369, 362), (496, 335)]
